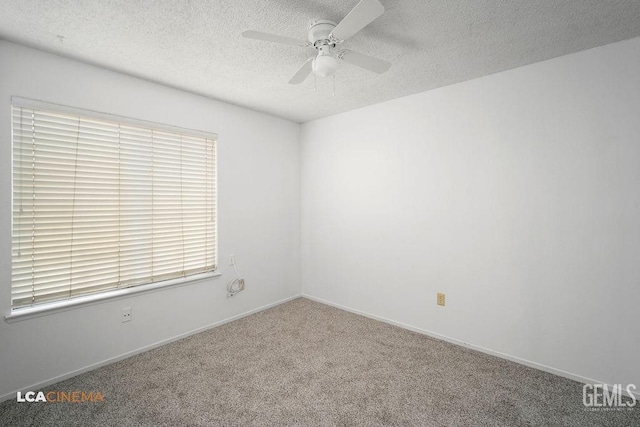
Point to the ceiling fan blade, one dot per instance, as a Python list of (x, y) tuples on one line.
[(364, 61), (302, 73), (359, 17), (250, 34)]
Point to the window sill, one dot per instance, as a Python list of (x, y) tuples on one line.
[(60, 306)]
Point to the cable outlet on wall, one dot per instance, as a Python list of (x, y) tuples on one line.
[(126, 314), (440, 299), (232, 259)]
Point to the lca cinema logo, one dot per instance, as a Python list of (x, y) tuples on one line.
[(54, 396), (603, 397)]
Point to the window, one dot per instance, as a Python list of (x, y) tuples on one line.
[(103, 203)]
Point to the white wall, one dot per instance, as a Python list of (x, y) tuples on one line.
[(259, 217), (516, 194)]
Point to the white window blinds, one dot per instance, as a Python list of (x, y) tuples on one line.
[(102, 204)]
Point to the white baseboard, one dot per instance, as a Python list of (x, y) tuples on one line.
[(123, 356), (509, 357)]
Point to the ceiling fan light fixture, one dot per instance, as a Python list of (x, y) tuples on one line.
[(325, 65)]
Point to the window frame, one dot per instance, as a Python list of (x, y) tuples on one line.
[(49, 307)]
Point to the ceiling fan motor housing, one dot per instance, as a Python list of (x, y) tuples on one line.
[(320, 30)]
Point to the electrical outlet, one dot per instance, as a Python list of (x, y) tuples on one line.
[(232, 260), (440, 299), (126, 314)]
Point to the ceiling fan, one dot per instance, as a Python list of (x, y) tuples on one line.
[(325, 37)]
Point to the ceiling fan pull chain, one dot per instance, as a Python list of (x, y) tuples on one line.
[(334, 85)]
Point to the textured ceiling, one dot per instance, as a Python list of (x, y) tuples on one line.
[(196, 45)]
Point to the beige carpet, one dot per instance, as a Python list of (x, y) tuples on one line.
[(304, 363)]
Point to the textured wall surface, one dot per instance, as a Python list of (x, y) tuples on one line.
[(515, 194), (258, 219)]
